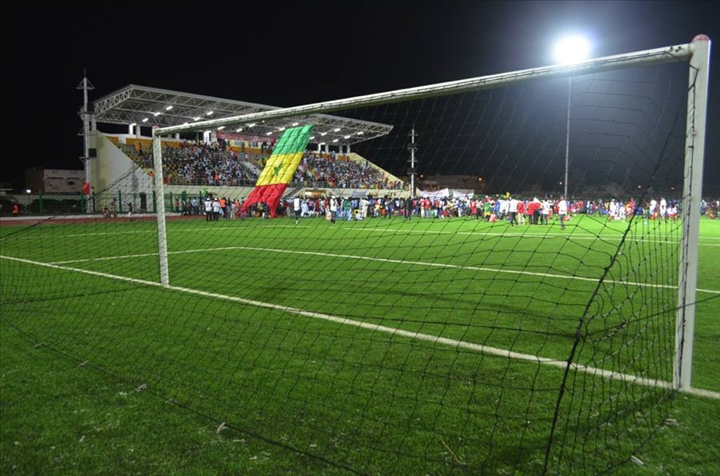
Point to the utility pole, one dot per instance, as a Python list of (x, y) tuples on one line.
[(85, 85), (412, 147)]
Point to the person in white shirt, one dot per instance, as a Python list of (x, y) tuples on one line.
[(653, 209), (363, 207), (208, 209), (663, 208), (513, 211), (333, 208), (613, 210), (297, 207), (216, 209), (545, 211), (562, 211)]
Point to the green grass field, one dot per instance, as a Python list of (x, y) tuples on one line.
[(372, 347)]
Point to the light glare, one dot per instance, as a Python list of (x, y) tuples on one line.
[(572, 50)]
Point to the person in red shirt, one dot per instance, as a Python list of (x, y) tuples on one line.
[(533, 211), (521, 212)]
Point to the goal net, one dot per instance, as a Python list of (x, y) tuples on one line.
[(502, 283)]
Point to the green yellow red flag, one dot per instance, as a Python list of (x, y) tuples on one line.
[(279, 169)]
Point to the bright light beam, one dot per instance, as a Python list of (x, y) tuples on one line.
[(572, 49)]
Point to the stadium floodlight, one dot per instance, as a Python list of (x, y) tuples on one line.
[(168, 108), (570, 50)]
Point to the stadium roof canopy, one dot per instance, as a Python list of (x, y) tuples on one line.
[(140, 105)]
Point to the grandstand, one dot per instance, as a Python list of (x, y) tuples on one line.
[(211, 161)]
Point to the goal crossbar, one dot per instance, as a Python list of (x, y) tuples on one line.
[(607, 63)]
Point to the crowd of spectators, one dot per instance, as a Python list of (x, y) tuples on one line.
[(199, 163), (533, 211), (338, 172)]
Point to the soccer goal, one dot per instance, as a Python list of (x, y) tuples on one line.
[(503, 281)]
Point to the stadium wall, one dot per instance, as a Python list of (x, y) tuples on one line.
[(114, 171)]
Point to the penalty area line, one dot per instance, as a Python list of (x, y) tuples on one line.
[(392, 331), (482, 269)]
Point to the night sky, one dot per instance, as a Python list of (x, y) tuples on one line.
[(339, 49)]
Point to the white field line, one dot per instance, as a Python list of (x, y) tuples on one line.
[(392, 331), (567, 236), (386, 260), (104, 233)]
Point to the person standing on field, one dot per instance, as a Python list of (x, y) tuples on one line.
[(216, 209), (513, 210), (521, 212), (208, 208), (333, 208), (297, 208), (562, 211)]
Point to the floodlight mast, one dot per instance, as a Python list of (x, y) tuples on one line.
[(568, 51), (567, 141)]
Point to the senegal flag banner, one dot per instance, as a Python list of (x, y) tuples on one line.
[(279, 169)]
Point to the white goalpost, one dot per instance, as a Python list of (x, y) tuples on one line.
[(692, 192), (696, 54)]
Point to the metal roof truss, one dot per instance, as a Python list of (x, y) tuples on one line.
[(158, 107)]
